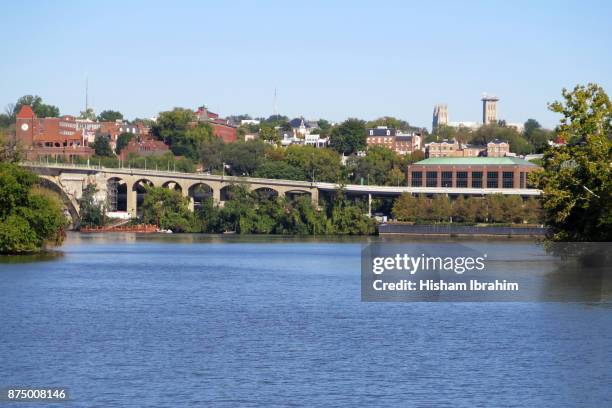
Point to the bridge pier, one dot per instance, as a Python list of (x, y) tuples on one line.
[(131, 201)]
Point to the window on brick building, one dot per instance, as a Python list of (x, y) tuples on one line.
[(432, 179), (477, 179), (447, 179), (508, 179), (462, 181), (492, 181)]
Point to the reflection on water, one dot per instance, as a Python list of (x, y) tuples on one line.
[(43, 256)]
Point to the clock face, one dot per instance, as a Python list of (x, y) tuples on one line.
[(24, 126)]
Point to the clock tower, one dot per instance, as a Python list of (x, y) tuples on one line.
[(25, 126)]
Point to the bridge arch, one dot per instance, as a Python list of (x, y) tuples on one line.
[(116, 194), (71, 205), (140, 189), (266, 192), (296, 193), (172, 185), (199, 193)]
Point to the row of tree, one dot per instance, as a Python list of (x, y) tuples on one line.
[(496, 208), (247, 212)]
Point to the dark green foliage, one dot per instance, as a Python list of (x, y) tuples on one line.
[(577, 178), (110, 116), (349, 137), (30, 218), (92, 213), (41, 109), (179, 129), (122, 141), (247, 212), (167, 209), (279, 170), (102, 146)]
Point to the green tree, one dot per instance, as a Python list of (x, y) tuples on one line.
[(316, 164), (110, 116), (211, 154), (279, 170), (167, 209), (269, 133), (92, 213), (88, 114), (376, 167), (243, 158), (495, 208), (122, 141), (533, 211), (390, 122), (42, 110), (349, 137), (440, 209), (576, 179), (179, 130), (405, 208), (102, 146), (30, 219)]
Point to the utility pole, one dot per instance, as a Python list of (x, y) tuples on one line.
[(86, 94)]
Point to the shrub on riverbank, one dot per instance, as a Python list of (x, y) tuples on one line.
[(248, 212), (30, 218), (495, 208)]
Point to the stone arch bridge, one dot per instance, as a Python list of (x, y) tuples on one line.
[(124, 188)]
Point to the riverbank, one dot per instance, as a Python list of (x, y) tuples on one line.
[(461, 230)]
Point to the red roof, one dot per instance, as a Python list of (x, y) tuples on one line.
[(26, 112)]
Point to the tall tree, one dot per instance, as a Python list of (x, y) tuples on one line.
[(178, 129), (122, 141), (577, 178), (29, 218), (110, 116), (349, 137), (102, 146), (88, 114), (42, 110)]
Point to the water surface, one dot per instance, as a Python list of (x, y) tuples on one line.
[(169, 321)]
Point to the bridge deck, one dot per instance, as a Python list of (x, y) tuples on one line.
[(323, 186)]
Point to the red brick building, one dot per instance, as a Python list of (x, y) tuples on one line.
[(221, 127), (63, 137), (144, 146), (389, 138), (470, 172)]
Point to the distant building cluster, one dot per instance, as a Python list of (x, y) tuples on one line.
[(301, 134), (392, 139), (67, 136), (452, 148), (70, 137), (489, 116)]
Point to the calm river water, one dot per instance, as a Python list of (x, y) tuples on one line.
[(173, 321)]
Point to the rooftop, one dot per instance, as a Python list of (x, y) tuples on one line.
[(495, 161)]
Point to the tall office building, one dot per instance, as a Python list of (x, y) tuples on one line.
[(440, 116), (489, 109)]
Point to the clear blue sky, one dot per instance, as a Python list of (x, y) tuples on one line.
[(347, 59)]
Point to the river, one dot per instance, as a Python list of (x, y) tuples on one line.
[(194, 320)]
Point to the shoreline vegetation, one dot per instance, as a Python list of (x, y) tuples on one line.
[(576, 181)]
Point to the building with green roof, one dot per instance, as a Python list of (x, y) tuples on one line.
[(470, 172)]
